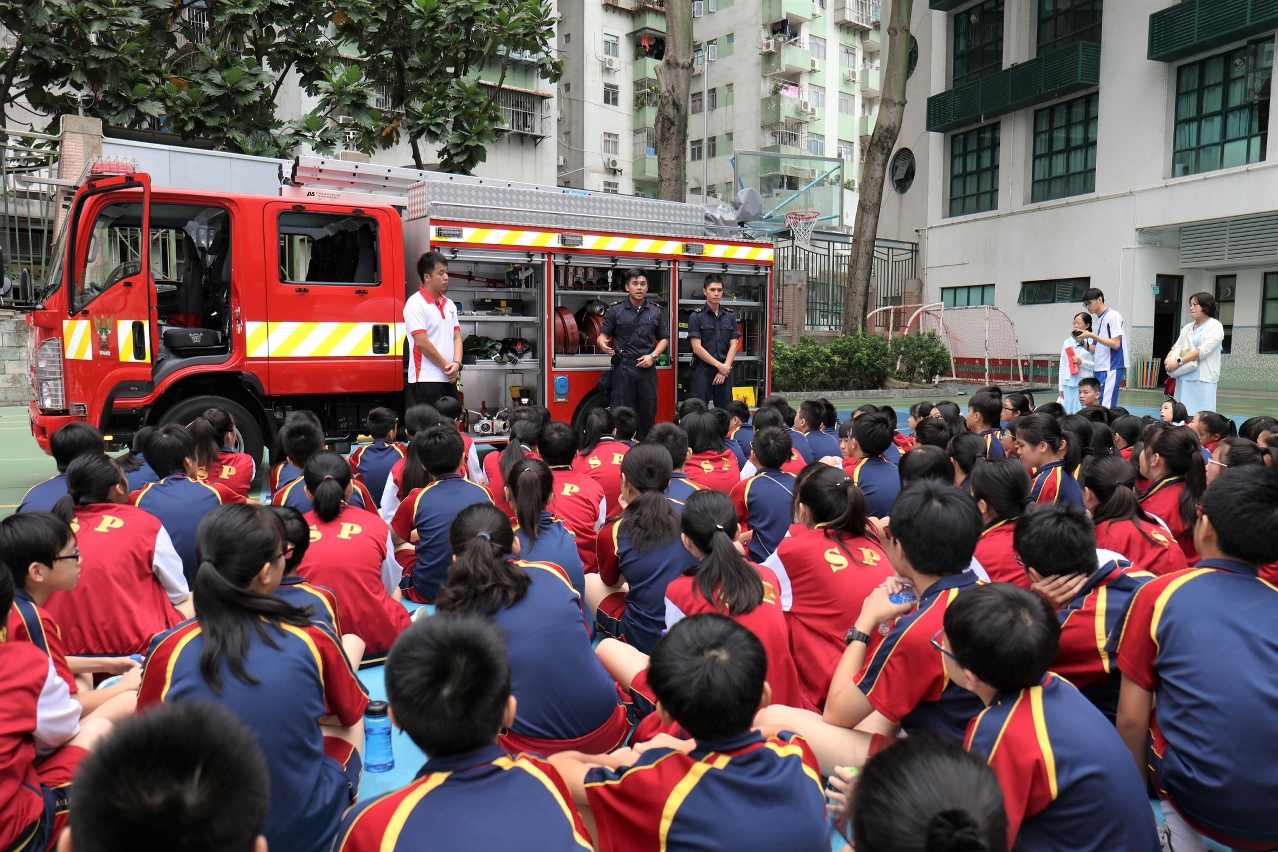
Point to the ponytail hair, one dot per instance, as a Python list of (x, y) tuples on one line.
[(833, 500), (650, 520), (1128, 427), (724, 577), (1113, 481), (207, 431), (133, 459), (967, 448), (90, 479), (525, 428), (1239, 452), (1217, 424), (232, 544), (531, 483), (327, 477), (1179, 449), (599, 424), (482, 579), (1004, 485), (415, 474)]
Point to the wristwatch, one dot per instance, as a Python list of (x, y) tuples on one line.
[(854, 635)]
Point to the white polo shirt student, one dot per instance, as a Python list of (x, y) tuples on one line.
[(1110, 334), (434, 334)]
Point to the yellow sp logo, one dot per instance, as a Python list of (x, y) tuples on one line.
[(570, 489), (108, 523), (836, 560), (595, 462), (346, 532)]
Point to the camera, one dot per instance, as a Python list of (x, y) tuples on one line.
[(1076, 334)]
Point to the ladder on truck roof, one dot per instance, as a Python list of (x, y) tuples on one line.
[(476, 199)]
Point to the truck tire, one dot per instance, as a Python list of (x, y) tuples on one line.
[(248, 430), (594, 399)]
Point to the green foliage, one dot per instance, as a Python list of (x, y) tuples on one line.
[(920, 357), (849, 362)]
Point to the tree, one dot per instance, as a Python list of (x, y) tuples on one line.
[(674, 76), (856, 297)]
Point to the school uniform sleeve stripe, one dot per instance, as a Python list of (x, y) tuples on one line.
[(166, 654), (778, 567), (558, 793), (795, 749), (1044, 741), (681, 792), (395, 825), (552, 569), (216, 493), (31, 623), (1100, 621), (1161, 603)]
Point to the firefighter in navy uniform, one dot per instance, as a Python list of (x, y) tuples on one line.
[(713, 335), (641, 333)]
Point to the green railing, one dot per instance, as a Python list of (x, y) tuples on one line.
[(28, 211), (1196, 26)]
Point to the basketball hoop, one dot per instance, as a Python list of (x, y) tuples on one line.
[(801, 224)]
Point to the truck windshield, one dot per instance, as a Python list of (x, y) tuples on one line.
[(53, 272)]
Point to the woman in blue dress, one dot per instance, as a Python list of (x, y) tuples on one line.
[(1199, 345)]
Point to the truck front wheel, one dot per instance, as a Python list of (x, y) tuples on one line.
[(248, 432)]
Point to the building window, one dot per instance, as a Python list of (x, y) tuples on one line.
[(816, 144), (847, 150), (713, 96), (1222, 110), (978, 42), (612, 143), (816, 46), (847, 56), (612, 187), (1269, 315), (731, 37), (1065, 148), (847, 104), (567, 88), (902, 171), (695, 154), (612, 95), (727, 95), (966, 297), (698, 8), (1226, 286), (1063, 22), (712, 147), (974, 170), (698, 105), (727, 139), (816, 96), (712, 49), (1053, 291), (612, 45)]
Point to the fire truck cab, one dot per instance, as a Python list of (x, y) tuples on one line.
[(166, 301)]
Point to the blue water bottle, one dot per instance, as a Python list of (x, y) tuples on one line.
[(378, 756)]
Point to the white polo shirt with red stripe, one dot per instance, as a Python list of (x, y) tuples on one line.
[(437, 319)]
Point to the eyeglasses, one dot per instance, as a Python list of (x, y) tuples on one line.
[(75, 556), (936, 643), (285, 553)]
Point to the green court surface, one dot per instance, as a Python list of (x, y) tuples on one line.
[(22, 462)]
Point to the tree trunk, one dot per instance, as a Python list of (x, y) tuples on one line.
[(674, 76), (856, 298)]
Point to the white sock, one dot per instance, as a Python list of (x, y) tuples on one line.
[(1176, 834)]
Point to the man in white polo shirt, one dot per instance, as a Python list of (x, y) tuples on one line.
[(1111, 345), (434, 334)]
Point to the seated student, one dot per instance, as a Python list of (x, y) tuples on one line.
[(577, 499), (133, 463), (1089, 392), (285, 472), (449, 684), (763, 793), (185, 776), (1126, 431), (1172, 461), (675, 442), (41, 738), (724, 419), (131, 586), (417, 418), (351, 553), (864, 440), (542, 536), (625, 421), (283, 676), (932, 432), (984, 411), (1048, 453), (711, 464), (373, 462), (450, 409), (427, 512), (765, 502), (303, 441), (179, 499), (1001, 490), (217, 462), (965, 450), (900, 684), (808, 422), (640, 552), (39, 549), (827, 564), (525, 431), (600, 456), (739, 428), (770, 418), (1122, 525), (830, 418), (1236, 452), (925, 461), (788, 415), (1057, 542), (1212, 428), (295, 589), (67, 444), (1066, 783), (1191, 640), (568, 700)]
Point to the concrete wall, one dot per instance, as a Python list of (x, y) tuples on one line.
[(13, 359)]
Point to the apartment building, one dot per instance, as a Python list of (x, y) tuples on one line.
[(1050, 146)]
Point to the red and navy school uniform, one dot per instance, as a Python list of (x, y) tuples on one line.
[(766, 621), (1069, 784), (321, 600), (603, 465), (995, 552), (482, 800), (1054, 484), (579, 502), (1202, 641), (740, 454), (743, 793), (799, 443), (765, 504), (902, 443), (905, 678), (993, 439), (714, 469), (822, 444), (1091, 627), (42, 496), (29, 622), (373, 463), (1162, 501), (892, 455), (824, 577), (430, 512), (282, 474), (1149, 547), (144, 475), (638, 615), (496, 483), (130, 575), (294, 494), (555, 543), (567, 699), (744, 436), (878, 480), (301, 674), (348, 555), (234, 471), (680, 489), (180, 504)]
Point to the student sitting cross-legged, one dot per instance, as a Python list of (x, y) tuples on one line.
[(1067, 784), (729, 788), (765, 501), (448, 680), (542, 535)]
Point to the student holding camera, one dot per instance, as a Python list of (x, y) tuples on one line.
[(1076, 362)]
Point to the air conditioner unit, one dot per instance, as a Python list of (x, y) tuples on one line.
[(769, 46), (698, 70), (611, 63), (817, 10), (816, 65), (613, 163), (805, 106), (561, 161), (849, 75)]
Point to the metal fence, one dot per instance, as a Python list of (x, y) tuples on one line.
[(28, 211), (827, 263)]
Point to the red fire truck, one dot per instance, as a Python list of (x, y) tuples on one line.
[(163, 302)]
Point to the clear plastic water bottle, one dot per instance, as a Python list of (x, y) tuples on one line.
[(378, 755)]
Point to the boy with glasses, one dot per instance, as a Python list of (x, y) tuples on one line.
[(1110, 358)]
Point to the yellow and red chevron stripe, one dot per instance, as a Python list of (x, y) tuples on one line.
[(78, 340), (124, 343), (608, 242), (319, 340)]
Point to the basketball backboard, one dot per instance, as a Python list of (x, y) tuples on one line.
[(790, 182)]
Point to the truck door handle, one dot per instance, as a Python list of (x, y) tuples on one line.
[(301, 289), (381, 339), (139, 341)]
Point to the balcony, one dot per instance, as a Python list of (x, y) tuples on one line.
[(787, 58), (645, 167), (857, 14), (795, 11), (1197, 26), (865, 124), (782, 108), (645, 117), (872, 41), (646, 68), (648, 20), (1050, 76), (871, 82)]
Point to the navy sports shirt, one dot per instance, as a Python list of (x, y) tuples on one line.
[(430, 512), (635, 331), (180, 504)]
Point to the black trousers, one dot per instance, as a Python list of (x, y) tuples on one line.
[(428, 393), (636, 388), (702, 385)]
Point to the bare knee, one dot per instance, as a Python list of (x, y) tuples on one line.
[(622, 661), (92, 731)]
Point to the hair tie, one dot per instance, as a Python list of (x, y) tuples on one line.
[(326, 477), (719, 527), (209, 563), (484, 535)]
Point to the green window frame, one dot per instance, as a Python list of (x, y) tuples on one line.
[(1226, 290), (1051, 291), (978, 42), (969, 296), (974, 158), (1222, 110), (1065, 22), (1269, 315), (1065, 148)]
